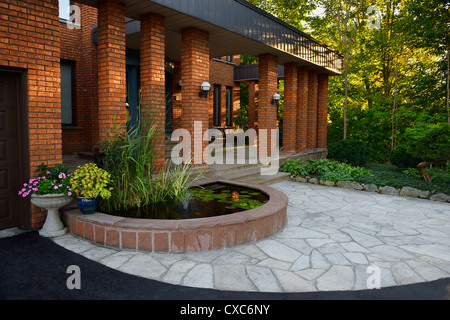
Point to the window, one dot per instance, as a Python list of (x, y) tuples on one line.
[(64, 9), (229, 107), (216, 110), (229, 59), (67, 92)]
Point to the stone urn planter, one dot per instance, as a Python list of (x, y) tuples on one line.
[(53, 225)]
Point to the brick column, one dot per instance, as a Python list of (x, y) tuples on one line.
[(252, 104), (111, 66), (302, 109), (322, 111), (153, 105), (290, 107), (195, 71), (268, 86), (311, 141)]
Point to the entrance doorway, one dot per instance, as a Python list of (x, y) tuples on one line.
[(12, 150)]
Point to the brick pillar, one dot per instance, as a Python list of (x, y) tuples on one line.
[(195, 71), (111, 66), (302, 109), (252, 104), (153, 105), (290, 107), (268, 86), (311, 142), (322, 111)]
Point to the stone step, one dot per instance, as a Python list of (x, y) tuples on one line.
[(240, 174), (268, 179)]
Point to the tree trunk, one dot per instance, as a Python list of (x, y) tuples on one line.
[(425, 175)]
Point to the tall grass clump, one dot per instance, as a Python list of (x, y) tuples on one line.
[(128, 157)]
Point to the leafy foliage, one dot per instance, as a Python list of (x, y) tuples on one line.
[(324, 169), (429, 142), (401, 158), (50, 180), (354, 152), (90, 181)]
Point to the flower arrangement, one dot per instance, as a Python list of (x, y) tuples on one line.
[(50, 180), (90, 181)]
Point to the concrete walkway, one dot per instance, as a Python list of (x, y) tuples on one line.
[(335, 239)]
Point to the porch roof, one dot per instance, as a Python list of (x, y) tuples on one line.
[(234, 26)]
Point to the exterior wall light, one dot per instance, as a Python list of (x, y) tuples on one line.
[(276, 99), (179, 84), (205, 89)]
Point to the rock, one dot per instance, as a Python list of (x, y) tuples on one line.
[(299, 179), (327, 183), (349, 185), (389, 190), (370, 187), (413, 192), (313, 180), (442, 197)]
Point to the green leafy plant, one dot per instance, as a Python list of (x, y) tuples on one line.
[(430, 143), (50, 180), (400, 158), (90, 181), (353, 152), (325, 169)]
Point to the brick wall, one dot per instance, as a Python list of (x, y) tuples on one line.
[(30, 40), (76, 45)]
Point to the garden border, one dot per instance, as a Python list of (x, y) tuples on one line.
[(404, 191)]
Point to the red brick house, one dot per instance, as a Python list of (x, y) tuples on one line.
[(63, 76)]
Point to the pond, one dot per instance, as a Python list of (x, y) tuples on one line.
[(210, 200)]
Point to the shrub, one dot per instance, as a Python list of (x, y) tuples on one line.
[(353, 152), (400, 158), (324, 169)]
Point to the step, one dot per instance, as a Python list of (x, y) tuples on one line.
[(240, 174), (268, 179)]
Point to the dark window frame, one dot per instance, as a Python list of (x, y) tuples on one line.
[(72, 64), (217, 108), (229, 106)]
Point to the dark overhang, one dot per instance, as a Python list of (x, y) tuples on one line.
[(234, 26)]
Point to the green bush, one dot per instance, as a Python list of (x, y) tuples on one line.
[(400, 158), (324, 169), (429, 142), (354, 152)]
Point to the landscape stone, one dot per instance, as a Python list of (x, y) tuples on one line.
[(389, 190), (413, 192), (327, 183), (440, 197), (370, 187), (313, 180), (349, 185)]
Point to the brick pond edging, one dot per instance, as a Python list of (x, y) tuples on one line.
[(405, 191), (187, 235)]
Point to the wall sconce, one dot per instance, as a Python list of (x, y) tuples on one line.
[(179, 84), (276, 99), (205, 89)]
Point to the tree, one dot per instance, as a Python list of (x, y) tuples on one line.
[(430, 143)]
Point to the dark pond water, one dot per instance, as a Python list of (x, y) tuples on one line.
[(210, 200)]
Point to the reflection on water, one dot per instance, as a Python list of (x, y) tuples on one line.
[(210, 200)]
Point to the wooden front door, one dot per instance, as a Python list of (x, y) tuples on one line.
[(11, 157)]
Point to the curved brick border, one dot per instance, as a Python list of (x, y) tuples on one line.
[(184, 235)]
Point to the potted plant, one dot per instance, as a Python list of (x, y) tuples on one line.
[(89, 183), (50, 190)]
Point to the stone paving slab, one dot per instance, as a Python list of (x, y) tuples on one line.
[(335, 239)]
